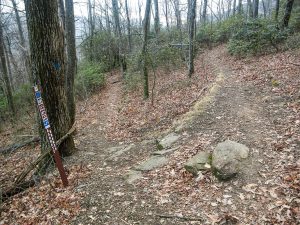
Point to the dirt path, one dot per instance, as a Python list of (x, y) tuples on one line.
[(237, 111)]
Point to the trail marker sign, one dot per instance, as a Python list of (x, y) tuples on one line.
[(46, 123)]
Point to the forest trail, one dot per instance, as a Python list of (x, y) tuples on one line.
[(238, 111)]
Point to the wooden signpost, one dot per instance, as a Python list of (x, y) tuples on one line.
[(46, 124)]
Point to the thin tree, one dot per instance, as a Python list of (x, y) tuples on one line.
[(156, 18), (277, 5), (234, 7), (192, 15), (128, 26), (287, 13), (71, 58), (240, 7), (146, 28), (24, 47), (9, 95), (47, 57), (116, 14), (204, 13)]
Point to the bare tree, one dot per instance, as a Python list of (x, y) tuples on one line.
[(24, 47), (204, 14), (192, 15), (277, 5), (9, 95), (256, 6), (146, 28), (128, 26), (71, 58), (156, 18)]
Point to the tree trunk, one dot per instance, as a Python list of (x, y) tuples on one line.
[(166, 11), (91, 23), (256, 6), (204, 12), (62, 13), (240, 7), (71, 59), (250, 8), (119, 35), (128, 26), (177, 14), (9, 95), (47, 56), (287, 13), (146, 29), (234, 7), (277, 10), (156, 18), (192, 16), (25, 50)]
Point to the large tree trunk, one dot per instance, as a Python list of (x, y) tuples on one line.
[(71, 59), (5, 70), (128, 26), (156, 18), (47, 56), (287, 13), (192, 15), (25, 51), (146, 29)]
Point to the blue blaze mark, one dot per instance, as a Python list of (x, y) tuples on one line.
[(56, 65), (37, 94)]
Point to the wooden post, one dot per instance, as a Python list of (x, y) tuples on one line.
[(51, 140)]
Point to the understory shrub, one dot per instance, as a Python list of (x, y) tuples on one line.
[(90, 78), (256, 37)]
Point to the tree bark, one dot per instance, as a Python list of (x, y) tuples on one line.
[(250, 8), (192, 16), (146, 29), (9, 95), (119, 35), (128, 26), (287, 13), (62, 12), (240, 7), (277, 10), (71, 59), (48, 64), (204, 12), (234, 7), (256, 6), (156, 18)]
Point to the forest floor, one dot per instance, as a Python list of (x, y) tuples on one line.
[(254, 101)]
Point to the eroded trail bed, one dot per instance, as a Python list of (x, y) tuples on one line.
[(238, 110)]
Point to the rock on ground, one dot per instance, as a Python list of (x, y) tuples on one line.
[(168, 140), (201, 161), (228, 158)]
